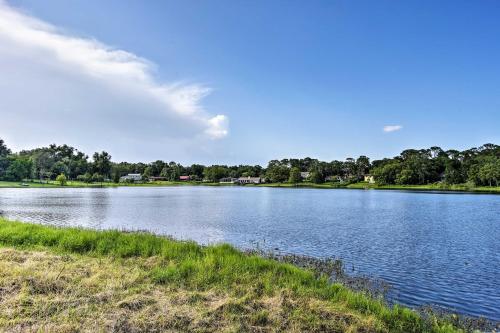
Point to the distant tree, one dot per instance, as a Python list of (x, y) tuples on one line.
[(165, 172), (489, 173), (349, 168), (97, 178), (4, 151), (453, 173), (277, 173), (61, 179), (316, 177), (362, 166), (116, 177), (197, 171), (19, 169), (215, 172), (294, 176), (102, 163), (155, 168), (86, 178), (388, 173), (42, 164), (175, 173), (4, 161), (59, 167), (148, 172)]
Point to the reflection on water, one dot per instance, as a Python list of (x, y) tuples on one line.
[(433, 248)]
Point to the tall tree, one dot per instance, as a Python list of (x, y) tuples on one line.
[(102, 164)]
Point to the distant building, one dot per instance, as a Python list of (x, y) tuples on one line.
[(154, 179), (305, 174), (184, 178), (228, 180), (369, 178), (131, 177), (250, 180), (336, 178)]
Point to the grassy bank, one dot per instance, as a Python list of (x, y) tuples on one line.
[(429, 187), (360, 185), (78, 184), (63, 279)]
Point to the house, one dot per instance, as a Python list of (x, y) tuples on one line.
[(154, 179), (228, 180), (184, 178), (336, 178), (369, 178), (305, 174), (131, 177), (250, 180)]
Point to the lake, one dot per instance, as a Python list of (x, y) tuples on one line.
[(433, 248)]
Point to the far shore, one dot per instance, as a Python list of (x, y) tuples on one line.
[(328, 185)]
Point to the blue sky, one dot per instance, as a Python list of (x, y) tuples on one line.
[(290, 78)]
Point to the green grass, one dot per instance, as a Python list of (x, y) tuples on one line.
[(7, 184), (74, 183), (258, 291), (327, 185), (429, 187)]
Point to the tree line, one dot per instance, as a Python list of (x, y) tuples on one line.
[(477, 166)]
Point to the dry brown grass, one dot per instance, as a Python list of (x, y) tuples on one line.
[(47, 292)]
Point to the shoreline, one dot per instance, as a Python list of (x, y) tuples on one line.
[(250, 284), (431, 188)]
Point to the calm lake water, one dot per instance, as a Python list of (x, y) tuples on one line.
[(441, 249)]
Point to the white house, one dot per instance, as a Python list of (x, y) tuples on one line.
[(135, 177), (305, 174), (228, 180), (369, 178), (250, 180)]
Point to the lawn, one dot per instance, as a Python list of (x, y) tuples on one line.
[(429, 187), (327, 185)]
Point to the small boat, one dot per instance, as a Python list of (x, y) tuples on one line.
[(24, 184)]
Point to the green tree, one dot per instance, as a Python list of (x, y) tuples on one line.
[(4, 161), (61, 179), (148, 172), (489, 173), (278, 171), (316, 177), (19, 169), (295, 176), (116, 177), (102, 164), (387, 173), (97, 178), (362, 166), (215, 172)]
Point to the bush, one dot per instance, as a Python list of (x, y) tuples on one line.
[(61, 179)]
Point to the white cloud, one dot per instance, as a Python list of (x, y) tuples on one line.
[(55, 87), (392, 128)]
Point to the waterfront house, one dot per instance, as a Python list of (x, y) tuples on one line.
[(131, 177), (184, 178), (250, 180), (369, 178), (228, 180), (305, 174)]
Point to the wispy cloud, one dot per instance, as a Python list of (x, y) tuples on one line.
[(54, 79), (392, 128)]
